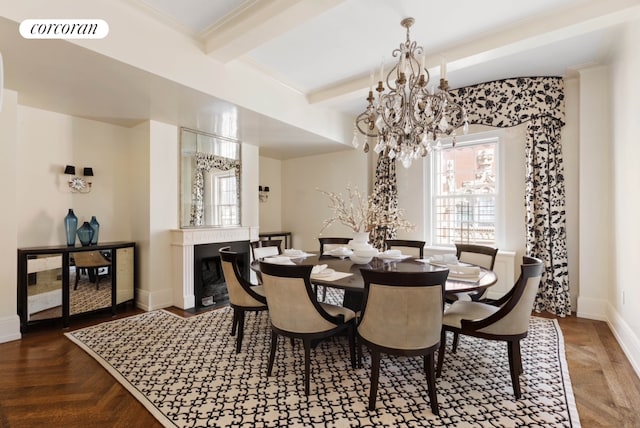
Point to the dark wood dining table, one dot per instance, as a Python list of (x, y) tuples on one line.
[(354, 284)]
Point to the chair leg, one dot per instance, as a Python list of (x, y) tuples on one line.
[(514, 366), (429, 370), (240, 331), (359, 344), (75, 287), (375, 374), (234, 324), (324, 293), (441, 351), (307, 364), (352, 343), (272, 352), (454, 346)]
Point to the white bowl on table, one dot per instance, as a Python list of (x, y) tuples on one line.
[(362, 256)]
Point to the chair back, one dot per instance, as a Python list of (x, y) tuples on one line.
[(293, 305), (328, 244), (240, 292), (512, 319), (413, 248), (480, 255), (265, 248), (403, 310)]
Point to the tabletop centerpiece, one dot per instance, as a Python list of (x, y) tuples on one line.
[(362, 215)]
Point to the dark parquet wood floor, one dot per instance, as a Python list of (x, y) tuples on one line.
[(46, 380)]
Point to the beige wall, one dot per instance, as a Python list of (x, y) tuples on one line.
[(304, 208), (271, 210)]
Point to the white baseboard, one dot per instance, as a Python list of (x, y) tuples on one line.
[(155, 300), (626, 337), (10, 328)]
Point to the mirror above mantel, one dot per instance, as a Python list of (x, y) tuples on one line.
[(210, 168)]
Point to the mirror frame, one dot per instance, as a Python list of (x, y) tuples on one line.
[(191, 201)]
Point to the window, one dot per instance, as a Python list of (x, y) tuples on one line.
[(464, 192), (226, 196)]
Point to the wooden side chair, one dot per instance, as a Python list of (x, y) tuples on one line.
[(402, 315), (295, 312), (243, 296), (265, 248), (416, 247), (327, 244), (507, 319)]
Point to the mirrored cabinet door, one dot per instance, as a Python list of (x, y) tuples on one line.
[(44, 287), (90, 281)]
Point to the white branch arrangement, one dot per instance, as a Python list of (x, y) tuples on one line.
[(362, 214)]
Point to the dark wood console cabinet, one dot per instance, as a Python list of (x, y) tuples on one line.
[(59, 282)]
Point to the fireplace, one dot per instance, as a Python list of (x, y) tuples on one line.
[(183, 247), (209, 285)]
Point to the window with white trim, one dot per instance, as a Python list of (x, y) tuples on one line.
[(464, 193)]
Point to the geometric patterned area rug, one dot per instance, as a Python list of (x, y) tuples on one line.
[(186, 373)]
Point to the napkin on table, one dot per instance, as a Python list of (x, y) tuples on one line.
[(317, 269)]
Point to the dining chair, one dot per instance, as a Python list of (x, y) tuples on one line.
[(416, 248), (506, 319), (266, 247), (295, 312), (402, 315), (327, 244), (479, 255), (243, 296)]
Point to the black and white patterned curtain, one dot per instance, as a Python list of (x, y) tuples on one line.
[(205, 163), (385, 194), (538, 101)]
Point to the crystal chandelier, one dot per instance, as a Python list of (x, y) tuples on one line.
[(407, 121)]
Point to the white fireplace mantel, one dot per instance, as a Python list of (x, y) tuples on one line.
[(182, 243)]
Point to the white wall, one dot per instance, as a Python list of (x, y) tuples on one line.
[(9, 321), (595, 193), (48, 141), (303, 208), (624, 313), (271, 209)]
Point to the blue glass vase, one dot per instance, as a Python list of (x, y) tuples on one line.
[(96, 230), (70, 227), (85, 233)]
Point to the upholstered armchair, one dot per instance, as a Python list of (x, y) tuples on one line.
[(295, 312), (402, 315), (243, 296), (506, 319)]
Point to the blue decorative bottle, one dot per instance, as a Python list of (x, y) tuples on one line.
[(70, 227), (85, 233), (96, 230)]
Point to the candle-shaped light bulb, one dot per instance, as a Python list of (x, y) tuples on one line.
[(422, 65), (443, 69), (371, 82), (381, 71)]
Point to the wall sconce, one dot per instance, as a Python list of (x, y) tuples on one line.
[(263, 193), (78, 184)]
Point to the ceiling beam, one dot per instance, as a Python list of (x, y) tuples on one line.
[(524, 36), (258, 24)]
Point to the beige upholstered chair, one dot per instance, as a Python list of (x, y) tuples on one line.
[(265, 248), (296, 313), (507, 319), (402, 315), (413, 248), (242, 295), (480, 255)]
